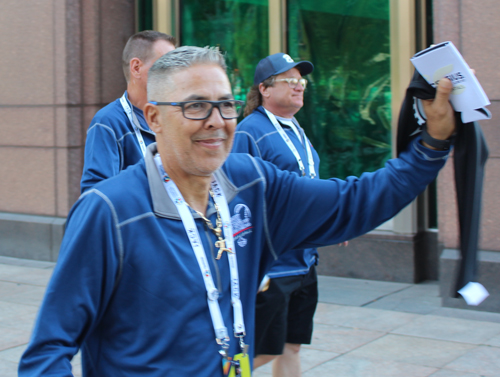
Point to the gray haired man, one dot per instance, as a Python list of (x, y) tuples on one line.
[(153, 278)]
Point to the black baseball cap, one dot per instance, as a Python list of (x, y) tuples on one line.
[(279, 63)]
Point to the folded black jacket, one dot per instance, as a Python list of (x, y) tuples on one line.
[(470, 155)]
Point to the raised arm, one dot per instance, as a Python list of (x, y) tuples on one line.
[(308, 213)]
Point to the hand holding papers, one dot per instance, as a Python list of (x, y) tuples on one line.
[(444, 60)]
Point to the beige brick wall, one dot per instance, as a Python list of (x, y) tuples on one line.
[(60, 62)]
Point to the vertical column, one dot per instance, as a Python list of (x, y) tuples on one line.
[(402, 49), (162, 16), (62, 67), (473, 28), (277, 22)]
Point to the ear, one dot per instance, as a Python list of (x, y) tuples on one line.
[(153, 117), (264, 91), (135, 66)]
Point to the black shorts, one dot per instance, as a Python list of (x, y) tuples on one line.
[(284, 313)]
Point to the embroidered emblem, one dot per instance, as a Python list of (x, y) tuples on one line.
[(242, 226)]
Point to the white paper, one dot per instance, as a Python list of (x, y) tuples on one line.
[(444, 60), (474, 293), (475, 115)]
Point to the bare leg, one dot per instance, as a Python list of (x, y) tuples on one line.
[(288, 364), (260, 360)]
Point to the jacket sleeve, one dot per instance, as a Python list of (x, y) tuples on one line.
[(103, 155), (244, 142), (79, 290), (311, 213)]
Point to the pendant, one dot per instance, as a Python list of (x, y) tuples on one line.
[(218, 228), (221, 244), (218, 232)]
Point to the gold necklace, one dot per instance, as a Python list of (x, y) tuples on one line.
[(221, 242)]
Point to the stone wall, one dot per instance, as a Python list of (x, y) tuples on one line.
[(60, 62)]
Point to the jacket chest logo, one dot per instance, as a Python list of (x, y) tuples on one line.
[(242, 225)]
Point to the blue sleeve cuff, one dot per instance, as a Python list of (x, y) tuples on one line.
[(429, 154)]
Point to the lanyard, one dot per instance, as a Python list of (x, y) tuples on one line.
[(291, 146), (127, 107), (175, 195), (289, 123)]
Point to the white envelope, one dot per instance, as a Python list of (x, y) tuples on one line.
[(444, 60)]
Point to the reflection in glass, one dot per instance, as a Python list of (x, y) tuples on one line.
[(240, 29), (145, 15), (347, 111)]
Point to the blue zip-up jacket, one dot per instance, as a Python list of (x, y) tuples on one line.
[(111, 144), (257, 136), (127, 288)]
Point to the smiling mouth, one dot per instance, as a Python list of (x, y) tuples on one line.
[(211, 143)]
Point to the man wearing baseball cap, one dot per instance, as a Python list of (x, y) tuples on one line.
[(285, 309)]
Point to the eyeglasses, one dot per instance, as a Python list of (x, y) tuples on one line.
[(293, 82), (199, 110)]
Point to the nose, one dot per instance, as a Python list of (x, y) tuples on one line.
[(299, 87), (215, 119)]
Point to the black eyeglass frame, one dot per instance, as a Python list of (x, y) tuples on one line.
[(213, 103)]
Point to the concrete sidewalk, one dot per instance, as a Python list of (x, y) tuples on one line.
[(362, 328)]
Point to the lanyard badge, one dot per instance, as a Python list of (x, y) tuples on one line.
[(238, 365)]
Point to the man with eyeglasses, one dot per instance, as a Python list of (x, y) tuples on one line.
[(119, 134), (285, 307), (154, 277)]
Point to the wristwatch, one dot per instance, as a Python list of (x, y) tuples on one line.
[(442, 145)]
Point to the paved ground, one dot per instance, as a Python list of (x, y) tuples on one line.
[(362, 328)]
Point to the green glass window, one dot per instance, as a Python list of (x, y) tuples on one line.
[(144, 15), (240, 29), (347, 107)]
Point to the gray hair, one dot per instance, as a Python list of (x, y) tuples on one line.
[(160, 74)]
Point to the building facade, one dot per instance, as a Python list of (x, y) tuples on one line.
[(62, 62)]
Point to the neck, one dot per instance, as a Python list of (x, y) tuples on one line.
[(136, 95), (279, 111), (195, 192), (194, 188)]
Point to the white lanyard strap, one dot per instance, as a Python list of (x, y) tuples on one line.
[(133, 121), (194, 238), (289, 123), (291, 146), (302, 137), (220, 200)]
